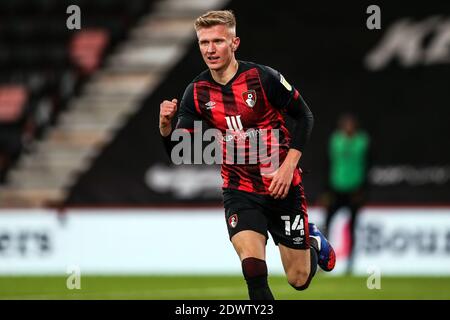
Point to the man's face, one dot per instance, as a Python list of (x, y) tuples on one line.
[(349, 126), (217, 46)]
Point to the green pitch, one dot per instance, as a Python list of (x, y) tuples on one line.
[(219, 287)]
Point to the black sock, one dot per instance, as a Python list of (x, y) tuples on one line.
[(255, 274), (314, 260), (314, 253), (313, 244)]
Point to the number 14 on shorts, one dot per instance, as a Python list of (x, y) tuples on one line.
[(296, 225)]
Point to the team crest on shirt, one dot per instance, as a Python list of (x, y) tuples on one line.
[(249, 98), (233, 220)]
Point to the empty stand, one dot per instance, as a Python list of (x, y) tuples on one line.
[(43, 66), (84, 83)]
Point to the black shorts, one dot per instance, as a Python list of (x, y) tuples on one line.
[(285, 219)]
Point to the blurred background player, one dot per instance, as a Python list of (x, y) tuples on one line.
[(236, 96), (348, 155)]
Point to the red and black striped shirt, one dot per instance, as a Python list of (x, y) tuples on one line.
[(254, 100)]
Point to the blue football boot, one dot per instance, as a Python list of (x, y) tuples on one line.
[(327, 256)]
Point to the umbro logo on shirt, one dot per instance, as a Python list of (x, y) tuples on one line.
[(210, 105)]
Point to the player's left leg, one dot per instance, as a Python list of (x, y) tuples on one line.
[(300, 265), (288, 225)]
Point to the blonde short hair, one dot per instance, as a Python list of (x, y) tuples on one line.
[(214, 18)]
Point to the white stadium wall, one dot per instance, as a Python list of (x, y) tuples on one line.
[(400, 241)]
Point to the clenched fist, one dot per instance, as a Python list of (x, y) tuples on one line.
[(167, 111)]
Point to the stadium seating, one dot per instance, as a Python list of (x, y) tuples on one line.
[(48, 63)]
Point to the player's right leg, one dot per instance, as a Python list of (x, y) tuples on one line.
[(247, 228), (300, 252), (300, 265), (251, 249)]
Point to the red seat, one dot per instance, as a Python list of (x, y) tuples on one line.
[(12, 102), (86, 49)]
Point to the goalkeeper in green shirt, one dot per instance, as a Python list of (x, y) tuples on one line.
[(348, 151)]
